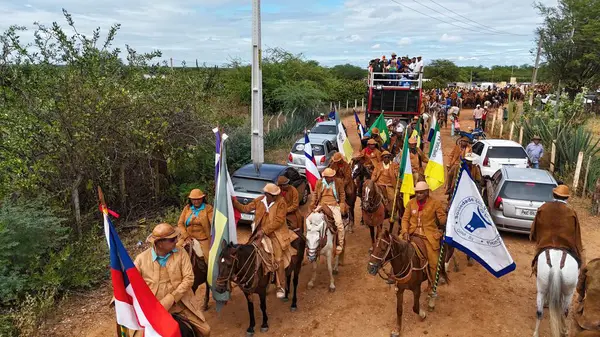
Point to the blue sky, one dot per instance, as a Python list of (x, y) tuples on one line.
[(330, 31)]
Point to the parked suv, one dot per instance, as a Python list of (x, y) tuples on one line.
[(493, 154), (322, 150), (513, 196), (248, 184)]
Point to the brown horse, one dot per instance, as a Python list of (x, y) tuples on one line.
[(373, 209), (200, 272), (408, 272)]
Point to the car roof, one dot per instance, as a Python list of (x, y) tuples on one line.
[(527, 175), (267, 171), (319, 139), (500, 142), (326, 123)]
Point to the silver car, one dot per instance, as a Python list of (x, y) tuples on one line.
[(513, 196), (327, 130), (322, 150)]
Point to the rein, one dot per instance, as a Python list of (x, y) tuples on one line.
[(247, 286), (322, 243), (372, 206), (402, 277)]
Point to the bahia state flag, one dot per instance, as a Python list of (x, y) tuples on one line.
[(343, 142), (470, 228), (408, 184), (434, 171), (310, 164), (359, 125), (136, 306), (224, 225)]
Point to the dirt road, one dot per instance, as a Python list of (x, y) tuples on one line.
[(474, 304)]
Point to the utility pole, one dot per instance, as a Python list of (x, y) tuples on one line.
[(257, 143), (535, 69), (471, 83), (171, 63)]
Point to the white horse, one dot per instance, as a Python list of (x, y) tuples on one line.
[(555, 286), (316, 230)]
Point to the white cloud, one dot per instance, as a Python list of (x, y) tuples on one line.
[(450, 38), (405, 41), (376, 46)]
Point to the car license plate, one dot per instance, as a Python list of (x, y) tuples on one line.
[(508, 165), (247, 217), (526, 212)]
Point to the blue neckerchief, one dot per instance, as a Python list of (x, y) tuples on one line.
[(195, 212), (332, 186), (162, 260)]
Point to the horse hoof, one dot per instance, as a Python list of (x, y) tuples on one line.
[(395, 334), (264, 329), (430, 308), (294, 309), (470, 263), (310, 286), (285, 299), (249, 334), (370, 250), (331, 290), (422, 314), (204, 307), (335, 272)]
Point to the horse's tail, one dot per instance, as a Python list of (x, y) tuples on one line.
[(554, 297)]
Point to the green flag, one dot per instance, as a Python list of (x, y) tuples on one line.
[(384, 133)]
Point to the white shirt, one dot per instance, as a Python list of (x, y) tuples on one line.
[(419, 66)]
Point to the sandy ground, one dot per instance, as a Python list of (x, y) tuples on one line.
[(474, 304)]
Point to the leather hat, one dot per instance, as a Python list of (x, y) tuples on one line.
[(386, 153), (282, 181), (562, 191), (358, 155), (163, 231), (272, 189), (536, 138), (412, 140), (465, 138), (416, 118), (337, 157), (372, 142), (375, 131), (196, 193), (421, 186), (328, 172)]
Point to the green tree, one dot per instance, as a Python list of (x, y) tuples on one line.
[(348, 72), (442, 71), (570, 37)]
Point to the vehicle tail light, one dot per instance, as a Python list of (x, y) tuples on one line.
[(498, 203), (486, 162), (290, 158), (322, 161)]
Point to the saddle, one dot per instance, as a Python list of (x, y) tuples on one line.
[(546, 252), (421, 249), (330, 223)]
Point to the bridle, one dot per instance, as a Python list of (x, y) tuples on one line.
[(248, 285), (371, 206), (405, 274), (320, 245)]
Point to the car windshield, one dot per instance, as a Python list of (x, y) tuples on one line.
[(317, 150), (248, 185), (506, 152), (324, 129), (527, 191)]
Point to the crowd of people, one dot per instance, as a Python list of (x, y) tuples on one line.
[(396, 71)]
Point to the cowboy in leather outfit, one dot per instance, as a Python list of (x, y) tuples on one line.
[(459, 151), (329, 193), (418, 160), (270, 211), (453, 175), (168, 272), (586, 320), (386, 177), (425, 217), (372, 154), (290, 195), (195, 222)]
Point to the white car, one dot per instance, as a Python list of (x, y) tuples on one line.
[(493, 154)]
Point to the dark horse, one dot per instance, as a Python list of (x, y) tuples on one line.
[(200, 272), (242, 265), (408, 271)]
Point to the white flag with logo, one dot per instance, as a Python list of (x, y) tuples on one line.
[(470, 228)]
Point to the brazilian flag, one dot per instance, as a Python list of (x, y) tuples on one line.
[(384, 133)]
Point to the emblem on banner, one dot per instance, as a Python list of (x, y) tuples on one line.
[(474, 223)]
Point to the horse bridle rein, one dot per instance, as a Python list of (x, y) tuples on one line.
[(405, 274), (322, 235), (221, 281)]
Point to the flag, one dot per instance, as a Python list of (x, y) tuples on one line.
[(224, 228), (136, 306), (217, 152), (432, 127), (359, 125), (434, 171), (384, 133), (311, 171), (470, 228), (408, 185), (343, 142)]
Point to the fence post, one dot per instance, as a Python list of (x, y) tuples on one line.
[(278, 118), (355, 103), (585, 179), (577, 172), (512, 129), (330, 106), (347, 105), (501, 130), (493, 125), (293, 112), (363, 104), (269, 124), (553, 156), (521, 136)]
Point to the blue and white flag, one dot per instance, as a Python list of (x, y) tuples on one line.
[(470, 228)]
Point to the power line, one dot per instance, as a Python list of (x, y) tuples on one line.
[(464, 17)]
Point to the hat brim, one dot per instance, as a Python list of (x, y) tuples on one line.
[(421, 189), (561, 194), (152, 239)]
